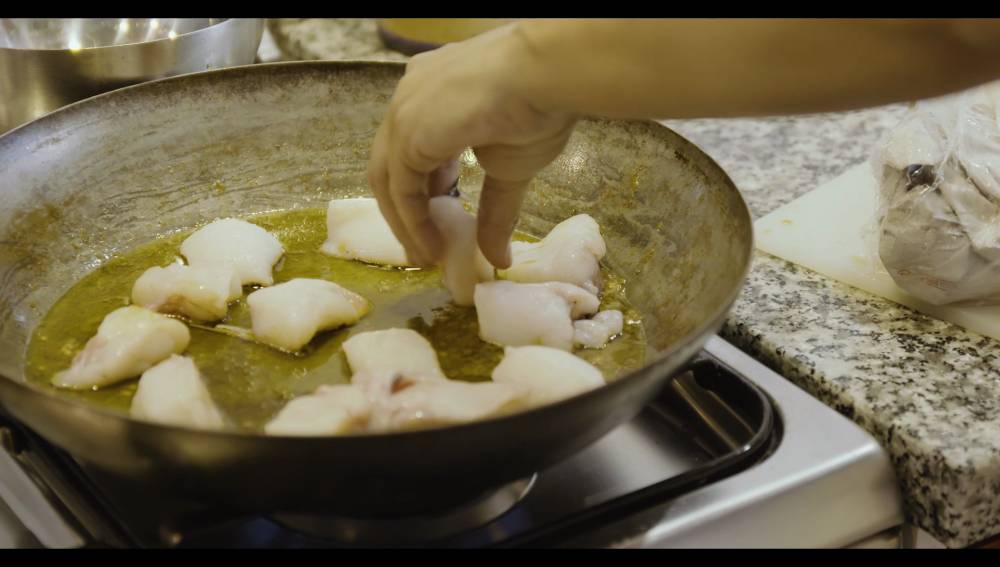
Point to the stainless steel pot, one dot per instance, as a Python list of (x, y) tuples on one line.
[(48, 63)]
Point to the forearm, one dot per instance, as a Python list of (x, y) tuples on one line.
[(699, 68)]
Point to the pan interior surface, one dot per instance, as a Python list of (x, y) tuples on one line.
[(251, 382)]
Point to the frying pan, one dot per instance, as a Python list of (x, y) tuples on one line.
[(104, 175)]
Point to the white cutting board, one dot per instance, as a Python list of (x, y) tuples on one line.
[(826, 231)]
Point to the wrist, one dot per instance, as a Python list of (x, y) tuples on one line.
[(533, 67)]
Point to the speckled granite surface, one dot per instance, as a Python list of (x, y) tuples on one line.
[(929, 391), (319, 38)]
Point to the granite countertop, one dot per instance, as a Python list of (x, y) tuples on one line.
[(927, 390)]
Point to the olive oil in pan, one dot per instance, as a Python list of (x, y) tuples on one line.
[(251, 382)]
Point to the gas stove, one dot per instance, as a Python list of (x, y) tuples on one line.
[(728, 455)]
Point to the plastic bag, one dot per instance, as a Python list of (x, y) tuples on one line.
[(938, 174)]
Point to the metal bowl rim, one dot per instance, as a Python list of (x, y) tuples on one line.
[(120, 45)]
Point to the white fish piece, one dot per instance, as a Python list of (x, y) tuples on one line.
[(399, 372), (129, 341), (201, 294), (289, 315), (330, 410), (383, 354), (597, 331), (248, 248), (519, 314), (378, 387), (435, 403), (463, 265), (571, 252), (173, 393), (547, 374), (356, 230)]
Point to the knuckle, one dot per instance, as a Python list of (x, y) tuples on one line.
[(414, 156)]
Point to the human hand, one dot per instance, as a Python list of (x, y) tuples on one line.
[(463, 95)]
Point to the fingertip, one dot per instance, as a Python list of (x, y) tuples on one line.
[(502, 264), (413, 257), (494, 233), (496, 249), (432, 242), (426, 240)]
